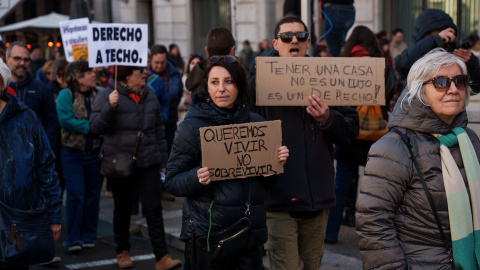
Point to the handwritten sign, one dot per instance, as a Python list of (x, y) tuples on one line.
[(117, 44), (289, 81), (241, 150), (75, 36)]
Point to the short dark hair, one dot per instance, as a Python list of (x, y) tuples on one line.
[(396, 30), (75, 69), (124, 71), (288, 19), (16, 43), (158, 49), (239, 78), (219, 41)]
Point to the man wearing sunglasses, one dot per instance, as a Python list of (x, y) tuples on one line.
[(297, 201), (220, 41), (30, 91), (435, 28)]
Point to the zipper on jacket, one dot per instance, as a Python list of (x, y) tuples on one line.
[(306, 157), (220, 243)]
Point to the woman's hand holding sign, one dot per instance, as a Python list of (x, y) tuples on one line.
[(203, 176), (318, 110), (113, 98)]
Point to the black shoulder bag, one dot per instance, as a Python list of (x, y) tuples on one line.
[(406, 140), (233, 240), (118, 164)]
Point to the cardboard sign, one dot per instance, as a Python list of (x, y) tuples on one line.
[(289, 81), (74, 33), (117, 44), (241, 150)]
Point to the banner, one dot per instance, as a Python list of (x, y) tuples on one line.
[(117, 44), (241, 150), (339, 81), (75, 38)]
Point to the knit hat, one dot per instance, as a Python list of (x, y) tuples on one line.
[(6, 74), (432, 19)]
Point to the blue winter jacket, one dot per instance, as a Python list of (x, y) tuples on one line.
[(175, 90), (27, 162), (158, 87), (38, 97)]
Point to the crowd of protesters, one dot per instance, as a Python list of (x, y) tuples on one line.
[(87, 115)]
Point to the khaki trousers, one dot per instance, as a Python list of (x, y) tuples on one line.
[(293, 243)]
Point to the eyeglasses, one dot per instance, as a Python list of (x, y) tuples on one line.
[(141, 69), (287, 37), (442, 83), (18, 59), (217, 58)]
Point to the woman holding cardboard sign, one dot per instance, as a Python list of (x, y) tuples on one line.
[(229, 209)]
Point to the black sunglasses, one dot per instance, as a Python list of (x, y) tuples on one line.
[(442, 83), (287, 37), (217, 58)]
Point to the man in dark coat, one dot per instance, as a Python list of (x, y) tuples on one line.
[(298, 201), (33, 93), (435, 28), (220, 41)]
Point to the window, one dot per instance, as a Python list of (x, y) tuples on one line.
[(208, 14)]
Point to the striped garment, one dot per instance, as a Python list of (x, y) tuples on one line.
[(463, 206)]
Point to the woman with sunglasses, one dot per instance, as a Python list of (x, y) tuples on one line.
[(210, 207), (129, 117), (420, 186)]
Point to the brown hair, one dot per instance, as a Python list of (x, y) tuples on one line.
[(124, 71), (219, 41)]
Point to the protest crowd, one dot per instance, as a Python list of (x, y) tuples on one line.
[(68, 129)]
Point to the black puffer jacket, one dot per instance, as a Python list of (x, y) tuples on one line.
[(394, 221), (121, 125), (229, 196), (307, 184), (428, 20)]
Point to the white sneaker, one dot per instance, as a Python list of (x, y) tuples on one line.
[(74, 248), (88, 245), (55, 259)]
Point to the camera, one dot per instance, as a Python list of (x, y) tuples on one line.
[(464, 43)]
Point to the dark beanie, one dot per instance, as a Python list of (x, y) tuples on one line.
[(432, 19)]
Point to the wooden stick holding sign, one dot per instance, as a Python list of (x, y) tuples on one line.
[(241, 150), (339, 81)]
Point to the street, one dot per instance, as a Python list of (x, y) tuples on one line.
[(342, 255)]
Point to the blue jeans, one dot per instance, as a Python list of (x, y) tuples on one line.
[(342, 17), (83, 184), (344, 173)]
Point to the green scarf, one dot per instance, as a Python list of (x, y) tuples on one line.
[(465, 227)]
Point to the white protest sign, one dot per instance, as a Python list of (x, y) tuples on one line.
[(117, 44), (74, 33)]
